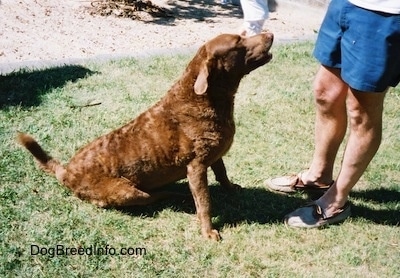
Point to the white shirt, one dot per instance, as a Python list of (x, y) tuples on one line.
[(387, 6)]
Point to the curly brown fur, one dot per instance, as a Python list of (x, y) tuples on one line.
[(187, 131)]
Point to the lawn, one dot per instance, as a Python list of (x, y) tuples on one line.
[(47, 232)]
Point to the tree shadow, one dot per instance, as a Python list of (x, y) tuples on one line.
[(25, 88), (198, 10), (208, 11), (258, 205)]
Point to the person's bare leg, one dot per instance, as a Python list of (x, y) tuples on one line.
[(365, 114), (330, 124)]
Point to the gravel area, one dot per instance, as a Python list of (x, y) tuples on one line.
[(39, 33)]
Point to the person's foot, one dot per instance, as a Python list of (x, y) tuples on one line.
[(313, 216), (293, 183)]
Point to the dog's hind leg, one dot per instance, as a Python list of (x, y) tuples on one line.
[(119, 193), (219, 170)]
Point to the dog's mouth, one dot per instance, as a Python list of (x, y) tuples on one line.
[(260, 54), (264, 59), (268, 57), (259, 61)]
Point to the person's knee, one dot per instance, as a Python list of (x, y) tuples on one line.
[(365, 110), (329, 89), (366, 126), (357, 117), (327, 97)]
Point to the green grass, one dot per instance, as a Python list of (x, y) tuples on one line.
[(274, 116)]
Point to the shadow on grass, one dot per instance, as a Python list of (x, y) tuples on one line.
[(251, 205), (25, 88), (381, 196), (257, 205)]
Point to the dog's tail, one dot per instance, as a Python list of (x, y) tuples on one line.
[(46, 162)]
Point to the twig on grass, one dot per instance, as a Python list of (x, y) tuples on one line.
[(85, 105)]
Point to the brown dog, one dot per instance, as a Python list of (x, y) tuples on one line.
[(187, 131)]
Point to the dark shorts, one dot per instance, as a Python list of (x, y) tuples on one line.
[(364, 44)]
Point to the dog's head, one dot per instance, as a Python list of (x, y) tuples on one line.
[(228, 57)]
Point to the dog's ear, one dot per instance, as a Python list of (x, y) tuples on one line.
[(201, 84)]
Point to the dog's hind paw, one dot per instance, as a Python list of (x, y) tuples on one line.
[(232, 187), (213, 234)]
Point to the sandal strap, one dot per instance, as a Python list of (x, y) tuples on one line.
[(299, 184), (319, 212)]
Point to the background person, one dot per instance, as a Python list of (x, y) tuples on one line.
[(255, 12)]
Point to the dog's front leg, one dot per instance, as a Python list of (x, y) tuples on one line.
[(219, 170), (197, 176)]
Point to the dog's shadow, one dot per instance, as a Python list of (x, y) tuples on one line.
[(259, 205)]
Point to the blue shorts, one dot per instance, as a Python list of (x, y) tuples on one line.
[(364, 44)]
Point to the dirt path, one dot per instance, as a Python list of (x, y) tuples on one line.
[(37, 33)]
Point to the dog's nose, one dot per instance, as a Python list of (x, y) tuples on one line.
[(269, 36)]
